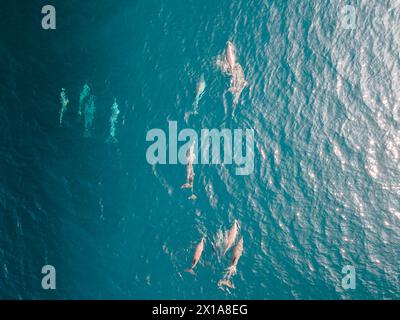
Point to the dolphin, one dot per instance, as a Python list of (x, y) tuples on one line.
[(231, 236), (197, 254), (231, 56), (64, 104), (238, 83), (113, 122), (189, 177), (201, 87), (89, 112), (84, 95), (232, 67), (190, 157), (236, 254)]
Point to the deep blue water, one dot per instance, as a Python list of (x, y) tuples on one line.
[(323, 102)]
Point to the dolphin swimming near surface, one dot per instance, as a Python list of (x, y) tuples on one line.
[(83, 97), (197, 254), (236, 254), (200, 88), (231, 237), (189, 176), (235, 71), (113, 121), (231, 56), (238, 83), (64, 104)]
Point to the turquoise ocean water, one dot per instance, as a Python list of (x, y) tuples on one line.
[(322, 100)]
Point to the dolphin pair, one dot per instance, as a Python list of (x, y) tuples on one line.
[(190, 157), (236, 254)]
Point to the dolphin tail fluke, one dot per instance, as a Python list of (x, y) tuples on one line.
[(192, 197), (191, 271), (227, 283)]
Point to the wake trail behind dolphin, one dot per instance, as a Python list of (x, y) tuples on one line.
[(219, 242)]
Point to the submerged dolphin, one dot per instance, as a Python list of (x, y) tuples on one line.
[(113, 121), (231, 236), (64, 104), (190, 157), (201, 87), (83, 97), (236, 254), (196, 257), (90, 109)]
